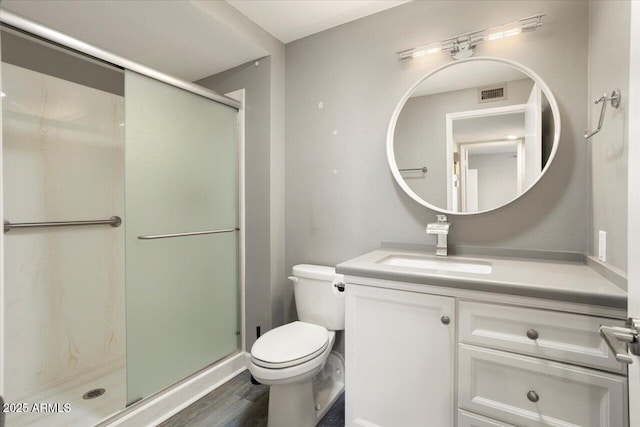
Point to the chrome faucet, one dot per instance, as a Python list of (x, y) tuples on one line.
[(441, 229)]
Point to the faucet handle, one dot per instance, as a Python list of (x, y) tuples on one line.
[(441, 226)]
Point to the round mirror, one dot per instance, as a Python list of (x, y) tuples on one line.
[(473, 135)]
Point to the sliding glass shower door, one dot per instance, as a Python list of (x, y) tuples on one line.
[(181, 198)]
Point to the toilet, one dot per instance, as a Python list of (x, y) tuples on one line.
[(295, 360)]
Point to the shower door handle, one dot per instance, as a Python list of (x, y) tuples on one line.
[(190, 233)]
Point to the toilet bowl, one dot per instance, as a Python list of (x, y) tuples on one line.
[(305, 349), (291, 358)]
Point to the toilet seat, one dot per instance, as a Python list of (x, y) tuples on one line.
[(293, 374), (290, 345)]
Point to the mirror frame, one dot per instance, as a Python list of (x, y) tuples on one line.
[(396, 113)]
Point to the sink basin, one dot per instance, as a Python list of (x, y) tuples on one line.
[(442, 264)]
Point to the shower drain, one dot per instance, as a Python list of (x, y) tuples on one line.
[(92, 394)]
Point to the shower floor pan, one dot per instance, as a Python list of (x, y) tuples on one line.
[(82, 412)]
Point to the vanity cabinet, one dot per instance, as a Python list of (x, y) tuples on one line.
[(400, 349), (532, 367), (472, 359)]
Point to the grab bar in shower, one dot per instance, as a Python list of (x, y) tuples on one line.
[(114, 221), (190, 233)]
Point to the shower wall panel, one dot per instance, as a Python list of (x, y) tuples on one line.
[(63, 160)]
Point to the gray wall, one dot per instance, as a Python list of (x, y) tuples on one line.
[(609, 28), (255, 79), (27, 52), (341, 199), (497, 178), (420, 135)]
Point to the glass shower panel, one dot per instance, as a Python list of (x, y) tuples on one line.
[(181, 176)]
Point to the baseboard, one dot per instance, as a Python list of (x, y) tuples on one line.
[(158, 408)]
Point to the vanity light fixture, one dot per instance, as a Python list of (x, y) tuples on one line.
[(463, 46)]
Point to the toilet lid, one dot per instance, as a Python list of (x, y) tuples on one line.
[(289, 345)]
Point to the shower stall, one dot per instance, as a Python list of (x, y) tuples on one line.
[(121, 247)]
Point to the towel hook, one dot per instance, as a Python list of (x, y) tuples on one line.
[(615, 103)]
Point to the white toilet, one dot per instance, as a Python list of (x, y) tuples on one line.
[(296, 359)]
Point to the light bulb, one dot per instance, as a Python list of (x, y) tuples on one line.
[(512, 32), (504, 31), (427, 50)]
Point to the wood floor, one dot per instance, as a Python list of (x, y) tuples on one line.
[(238, 403)]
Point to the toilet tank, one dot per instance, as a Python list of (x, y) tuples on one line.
[(318, 301)]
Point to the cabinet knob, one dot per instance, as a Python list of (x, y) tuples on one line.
[(533, 396), (445, 320), (532, 334)]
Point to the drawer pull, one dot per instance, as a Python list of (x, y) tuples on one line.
[(445, 320), (533, 396), (532, 334)]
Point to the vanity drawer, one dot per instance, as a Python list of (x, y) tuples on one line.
[(468, 419), (505, 386), (565, 337)]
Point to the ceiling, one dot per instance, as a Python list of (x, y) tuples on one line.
[(174, 37), (468, 75), (178, 38), (289, 20), (489, 128)]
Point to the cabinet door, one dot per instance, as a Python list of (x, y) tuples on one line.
[(469, 419), (400, 356)]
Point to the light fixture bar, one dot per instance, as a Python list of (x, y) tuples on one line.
[(463, 45)]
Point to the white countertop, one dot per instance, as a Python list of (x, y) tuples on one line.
[(549, 279)]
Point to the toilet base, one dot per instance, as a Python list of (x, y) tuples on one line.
[(291, 405), (328, 384), (304, 404)]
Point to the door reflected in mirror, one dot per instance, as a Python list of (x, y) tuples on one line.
[(484, 128)]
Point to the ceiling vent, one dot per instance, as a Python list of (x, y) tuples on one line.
[(492, 93)]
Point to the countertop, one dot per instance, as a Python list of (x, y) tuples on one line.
[(560, 280)]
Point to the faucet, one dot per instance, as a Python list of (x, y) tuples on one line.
[(441, 229)]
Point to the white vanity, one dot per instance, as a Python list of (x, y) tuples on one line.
[(515, 345), (488, 337)]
